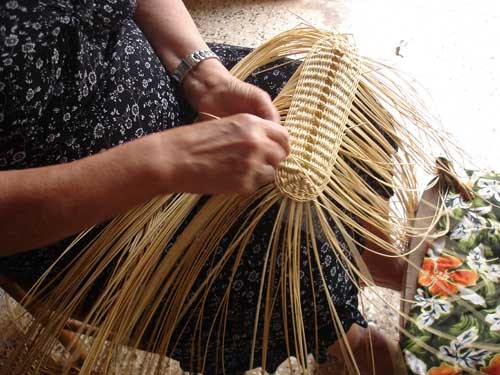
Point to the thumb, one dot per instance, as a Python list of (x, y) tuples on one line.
[(262, 104)]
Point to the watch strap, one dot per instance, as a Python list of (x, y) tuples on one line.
[(190, 61)]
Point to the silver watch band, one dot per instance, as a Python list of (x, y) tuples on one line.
[(190, 61)]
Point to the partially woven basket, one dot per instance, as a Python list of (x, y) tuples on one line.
[(317, 117), (349, 121)]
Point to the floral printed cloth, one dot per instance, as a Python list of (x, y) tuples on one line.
[(458, 290)]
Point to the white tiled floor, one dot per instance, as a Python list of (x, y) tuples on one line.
[(451, 47)]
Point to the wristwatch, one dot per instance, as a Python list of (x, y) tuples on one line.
[(190, 61)]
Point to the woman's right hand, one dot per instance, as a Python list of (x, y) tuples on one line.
[(235, 154)]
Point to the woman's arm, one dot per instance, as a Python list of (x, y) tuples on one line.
[(208, 86), (43, 205), (170, 29)]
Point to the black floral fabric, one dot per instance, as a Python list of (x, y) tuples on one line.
[(78, 77)]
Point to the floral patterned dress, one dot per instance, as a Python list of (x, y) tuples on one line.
[(78, 77), (461, 266)]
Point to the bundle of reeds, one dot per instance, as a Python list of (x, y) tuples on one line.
[(350, 121)]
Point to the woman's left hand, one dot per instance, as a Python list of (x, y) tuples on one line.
[(211, 89)]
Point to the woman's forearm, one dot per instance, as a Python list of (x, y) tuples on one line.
[(170, 29), (42, 205), (208, 86)]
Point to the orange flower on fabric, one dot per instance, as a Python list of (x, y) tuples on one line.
[(494, 367), (442, 278), (444, 369)]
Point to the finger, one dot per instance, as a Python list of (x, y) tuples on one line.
[(278, 134), (265, 175), (275, 154), (263, 105)]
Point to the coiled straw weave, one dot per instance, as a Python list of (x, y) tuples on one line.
[(317, 117)]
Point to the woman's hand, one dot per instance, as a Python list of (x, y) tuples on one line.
[(211, 89), (234, 154)]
